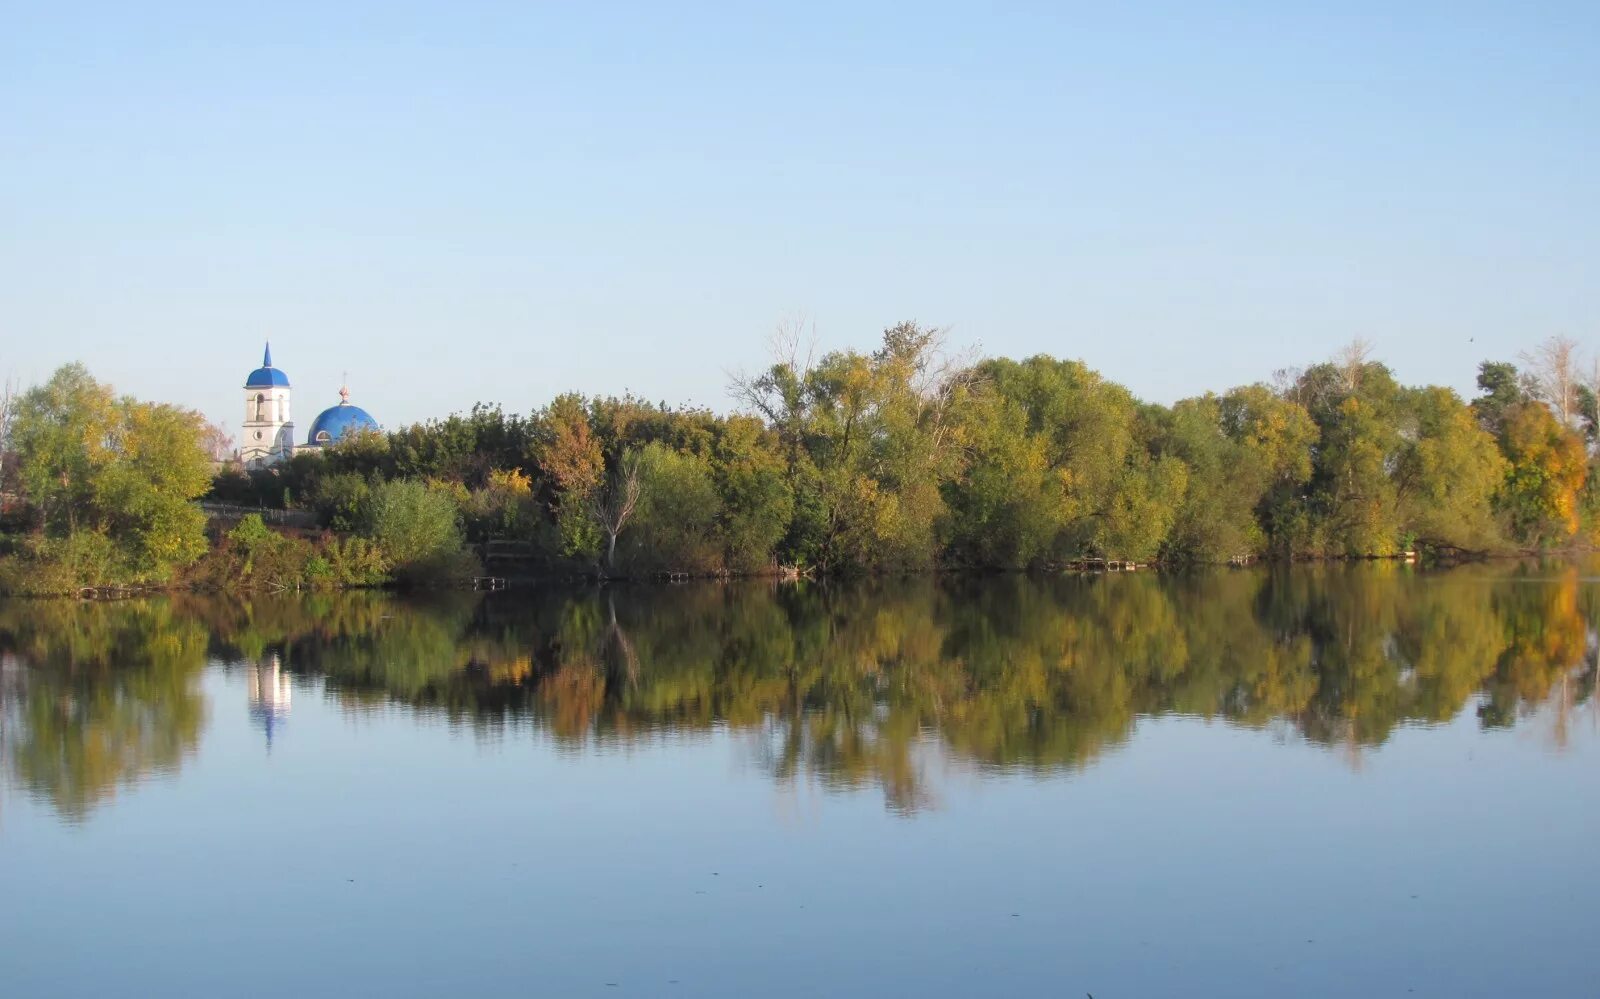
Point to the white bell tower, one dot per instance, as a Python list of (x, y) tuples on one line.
[(268, 436)]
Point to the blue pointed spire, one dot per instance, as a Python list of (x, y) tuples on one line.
[(266, 376)]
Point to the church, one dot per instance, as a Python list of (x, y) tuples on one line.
[(268, 436)]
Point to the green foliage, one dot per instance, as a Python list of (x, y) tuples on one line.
[(119, 469), (342, 501), (1353, 494), (1052, 447), (253, 555), (870, 441), (675, 525), (54, 565), (418, 529), (898, 459), (269, 558), (504, 507), (1448, 477), (1546, 472), (750, 480), (1500, 389), (354, 561), (1248, 455)]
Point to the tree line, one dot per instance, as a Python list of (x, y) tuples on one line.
[(899, 459)]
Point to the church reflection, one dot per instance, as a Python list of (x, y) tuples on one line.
[(270, 695)]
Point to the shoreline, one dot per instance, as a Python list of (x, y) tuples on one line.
[(1084, 567)]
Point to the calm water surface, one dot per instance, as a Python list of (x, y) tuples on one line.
[(1323, 781)]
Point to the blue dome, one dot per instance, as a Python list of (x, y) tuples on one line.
[(334, 422), (266, 376)]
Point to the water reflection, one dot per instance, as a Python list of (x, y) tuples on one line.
[(270, 694), (848, 686), (98, 696)]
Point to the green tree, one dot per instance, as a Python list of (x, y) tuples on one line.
[(418, 530), (675, 526), (1355, 404), (750, 478), (1052, 448), (1500, 388), (870, 441), (124, 469), (1447, 477)]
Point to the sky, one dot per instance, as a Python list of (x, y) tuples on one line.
[(459, 202)]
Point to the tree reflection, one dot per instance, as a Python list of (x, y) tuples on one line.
[(98, 696), (840, 685)]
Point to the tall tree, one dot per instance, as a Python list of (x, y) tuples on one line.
[(1500, 387), (572, 464), (1554, 368), (1352, 492)]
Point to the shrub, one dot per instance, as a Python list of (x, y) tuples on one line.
[(343, 502), (52, 566), (418, 530), (269, 558), (675, 524), (355, 562)]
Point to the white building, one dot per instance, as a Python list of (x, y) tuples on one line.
[(268, 428), (268, 436)]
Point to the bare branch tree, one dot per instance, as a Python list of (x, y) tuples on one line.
[(1351, 360), (792, 335), (792, 347), (217, 442), (613, 503), (1285, 383), (1553, 366)]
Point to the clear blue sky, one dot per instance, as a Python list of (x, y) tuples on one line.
[(472, 201)]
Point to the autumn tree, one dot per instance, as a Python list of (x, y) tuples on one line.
[(97, 466), (571, 463), (1546, 469)]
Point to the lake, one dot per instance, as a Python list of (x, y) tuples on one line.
[(1316, 781)]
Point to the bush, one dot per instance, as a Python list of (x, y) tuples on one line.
[(503, 508), (270, 558), (255, 555), (355, 562), (674, 527), (53, 566), (343, 502), (418, 529)]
